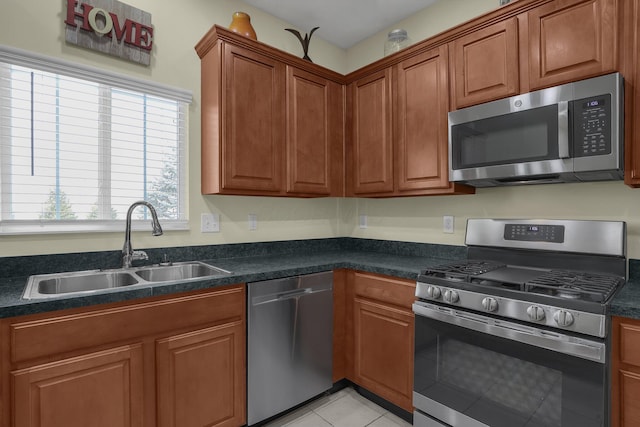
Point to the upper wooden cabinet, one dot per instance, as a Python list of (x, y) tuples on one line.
[(370, 147), (271, 123), (571, 40), (630, 39), (398, 129), (485, 64)]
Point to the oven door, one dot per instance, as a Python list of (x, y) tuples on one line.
[(477, 371)]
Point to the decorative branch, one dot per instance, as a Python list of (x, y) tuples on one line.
[(304, 41)]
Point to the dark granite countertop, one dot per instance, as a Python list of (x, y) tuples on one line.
[(403, 262), (251, 263)]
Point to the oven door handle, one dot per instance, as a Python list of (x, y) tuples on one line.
[(566, 344)]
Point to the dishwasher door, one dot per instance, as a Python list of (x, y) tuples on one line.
[(290, 343)]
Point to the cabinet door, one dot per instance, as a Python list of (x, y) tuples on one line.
[(253, 122), (201, 378), (371, 146), (102, 389), (571, 40), (421, 122), (383, 344), (314, 134), (485, 64), (631, 71)]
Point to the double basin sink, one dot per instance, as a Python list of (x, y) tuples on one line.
[(82, 282)]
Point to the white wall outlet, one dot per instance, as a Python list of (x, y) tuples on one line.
[(209, 223), (363, 220), (253, 222), (447, 224)]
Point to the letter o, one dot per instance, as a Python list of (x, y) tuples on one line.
[(108, 22)]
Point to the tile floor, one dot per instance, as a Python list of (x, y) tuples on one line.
[(345, 408)]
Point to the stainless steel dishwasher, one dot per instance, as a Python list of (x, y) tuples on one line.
[(290, 342)]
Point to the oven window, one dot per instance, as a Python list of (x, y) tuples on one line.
[(504, 383), (524, 136)]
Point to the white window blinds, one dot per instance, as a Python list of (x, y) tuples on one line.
[(75, 152)]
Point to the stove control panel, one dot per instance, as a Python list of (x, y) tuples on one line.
[(534, 233), (526, 311)]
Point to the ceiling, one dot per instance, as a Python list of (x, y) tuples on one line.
[(342, 22)]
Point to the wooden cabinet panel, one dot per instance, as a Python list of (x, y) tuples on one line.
[(253, 117), (383, 342), (630, 344), (371, 133), (102, 389), (201, 378), (485, 64), (630, 39), (66, 333), (629, 408), (571, 40), (421, 122), (379, 335), (314, 134)]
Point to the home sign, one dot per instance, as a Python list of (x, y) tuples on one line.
[(110, 27)]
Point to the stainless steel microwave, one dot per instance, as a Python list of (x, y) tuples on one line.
[(567, 133)]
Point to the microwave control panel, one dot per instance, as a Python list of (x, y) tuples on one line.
[(592, 126)]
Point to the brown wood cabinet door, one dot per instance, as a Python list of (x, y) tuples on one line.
[(314, 133), (571, 40), (371, 150), (201, 378), (102, 389), (629, 405), (625, 376), (485, 64), (630, 38), (383, 346), (253, 122), (420, 119)]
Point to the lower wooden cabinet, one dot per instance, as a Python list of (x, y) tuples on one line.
[(625, 376), (169, 362), (379, 336)]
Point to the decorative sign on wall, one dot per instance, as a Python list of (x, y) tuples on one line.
[(110, 27)]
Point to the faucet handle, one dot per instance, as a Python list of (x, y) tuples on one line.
[(138, 255)]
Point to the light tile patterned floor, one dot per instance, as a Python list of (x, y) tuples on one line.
[(345, 408)]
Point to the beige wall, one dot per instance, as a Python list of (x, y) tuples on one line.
[(441, 16), (38, 26)]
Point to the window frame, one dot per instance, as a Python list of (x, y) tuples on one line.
[(15, 56)]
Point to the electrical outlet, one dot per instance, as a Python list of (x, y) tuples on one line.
[(209, 223), (447, 224), (363, 221), (253, 222)]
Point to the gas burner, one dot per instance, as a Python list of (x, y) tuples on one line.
[(575, 285)]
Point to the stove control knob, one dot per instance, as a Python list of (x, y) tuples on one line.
[(489, 304), (433, 292), (536, 313), (563, 318), (451, 296)]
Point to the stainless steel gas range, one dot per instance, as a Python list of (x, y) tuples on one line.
[(517, 335)]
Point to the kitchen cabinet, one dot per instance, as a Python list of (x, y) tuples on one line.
[(625, 376), (630, 40), (571, 40), (169, 361), (379, 337), (485, 64), (271, 123), (398, 128)]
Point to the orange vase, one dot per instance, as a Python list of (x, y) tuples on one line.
[(241, 24)]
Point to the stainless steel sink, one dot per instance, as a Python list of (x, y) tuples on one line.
[(84, 282), (179, 271)]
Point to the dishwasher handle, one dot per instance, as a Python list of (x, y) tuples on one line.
[(287, 295)]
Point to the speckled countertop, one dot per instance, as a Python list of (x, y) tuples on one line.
[(249, 263), (264, 261)]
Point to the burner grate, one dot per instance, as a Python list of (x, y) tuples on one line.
[(575, 285), (462, 269)]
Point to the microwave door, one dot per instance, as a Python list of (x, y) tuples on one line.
[(528, 143)]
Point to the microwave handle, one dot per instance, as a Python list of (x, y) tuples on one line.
[(563, 129)]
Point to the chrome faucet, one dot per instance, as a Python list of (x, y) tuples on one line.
[(128, 254)]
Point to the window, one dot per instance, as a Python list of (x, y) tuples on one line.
[(78, 146)]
